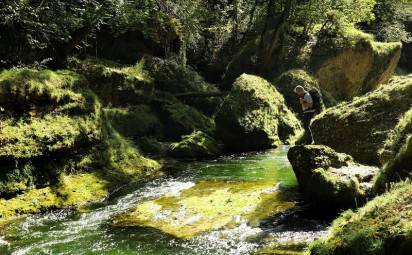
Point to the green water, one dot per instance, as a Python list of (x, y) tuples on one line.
[(67, 232)]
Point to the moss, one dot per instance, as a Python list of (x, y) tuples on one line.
[(180, 119), (382, 226), (396, 154), (115, 84), (135, 121), (59, 149), (254, 116), (361, 127), (209, 205), (196, 145)]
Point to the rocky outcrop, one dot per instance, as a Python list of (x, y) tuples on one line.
[(329, 179), (207, 206), (254, 116), (197, 145), (382, 226), (361, 127), (57, 148), (396, 156), (357, 68), (346, 65)]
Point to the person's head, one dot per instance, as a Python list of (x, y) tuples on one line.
[(300, 91)]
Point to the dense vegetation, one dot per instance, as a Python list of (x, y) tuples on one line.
[(98, 94)]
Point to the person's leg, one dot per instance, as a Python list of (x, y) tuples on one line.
[(307, 117)]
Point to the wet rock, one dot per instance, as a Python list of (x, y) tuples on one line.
[(382, 226), (361, 127), (254, 116), (195, 146), (329, 179), (207, 206)]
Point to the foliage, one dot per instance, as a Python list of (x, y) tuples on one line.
[(391, 16)]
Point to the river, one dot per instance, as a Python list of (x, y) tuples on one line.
[(91, 231)]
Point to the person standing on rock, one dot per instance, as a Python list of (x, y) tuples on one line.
[(306, 101)]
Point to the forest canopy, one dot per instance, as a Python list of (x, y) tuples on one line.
[(42, 31)]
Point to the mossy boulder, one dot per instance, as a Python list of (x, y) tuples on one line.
[(171, 76), (382, 226), (207, 206), (116, 85), (329, 179), (195, 146), (361, 127), (397, 154), (254, 116), (353, 64), (58, 148), (135, 121)]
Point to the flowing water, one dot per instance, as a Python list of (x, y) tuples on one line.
[(91, 231)]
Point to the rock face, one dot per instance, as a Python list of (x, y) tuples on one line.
[(195, 146), (358, 69), (207, 206), (361, 127), (254, 116), (346, 65), (396, 154), (382, 226), (329, 179)]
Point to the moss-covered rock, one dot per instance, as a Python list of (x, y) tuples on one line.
[(115, 84), (357, 68), (207, 206), (58, 148), (329, 179), (172, 77), (361, 127), (397, 154), (254, 116), (180, 119), (382, 226), (135, 121), (195, 146)]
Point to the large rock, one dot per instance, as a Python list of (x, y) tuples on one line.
[(382, 226), (356, 68), (172, 77), (361, 127), (207, 206), (57, 148), (195, 146), (397, 154), (329, 179), (254, 116)]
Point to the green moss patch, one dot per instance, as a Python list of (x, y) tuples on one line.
[(209, 205), (382, 226), (195, 145)]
